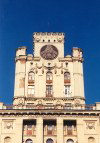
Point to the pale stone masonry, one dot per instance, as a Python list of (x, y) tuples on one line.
[(49, 101)]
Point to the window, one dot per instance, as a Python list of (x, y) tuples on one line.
[(49, 90), (31, 76), (70, 141), (29, 141), (70, 127), (29, 127), (49, 141), (49, 76), (30, 90), (29, 130), (7, 140), (91, 140), (67, 90), (66, 77), (50, 127)]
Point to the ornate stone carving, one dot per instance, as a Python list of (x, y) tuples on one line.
[(49, 52), (21, 101), (77, 102), (90, 125), (8, 124), (91, 140), (60, 39)]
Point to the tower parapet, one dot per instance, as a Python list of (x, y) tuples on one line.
[(48, 37), (21, 51), (77, 53)]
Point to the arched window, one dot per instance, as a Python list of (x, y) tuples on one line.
[(49, 77), (70, 141), (67, 76), (31, 76), (91, 140), (29, 141), (7, 140), (49, 141)]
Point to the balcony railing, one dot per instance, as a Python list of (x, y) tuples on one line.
[(50, 132), (49, 95), (41, 106), (30, 81), (70, 131), (67, 81), (48, 81), (30, 132)]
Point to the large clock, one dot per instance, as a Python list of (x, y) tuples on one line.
[(49, 52)]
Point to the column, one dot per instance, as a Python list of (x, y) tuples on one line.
[(60, 130), (39, 130)]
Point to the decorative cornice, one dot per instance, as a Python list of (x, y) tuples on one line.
[(48, 34), (48, 112)]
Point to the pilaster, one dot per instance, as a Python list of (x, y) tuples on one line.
[(80, 131), (19, 131), (39, 130), (59, 130)]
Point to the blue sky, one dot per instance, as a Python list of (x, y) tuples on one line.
[(79, 19)]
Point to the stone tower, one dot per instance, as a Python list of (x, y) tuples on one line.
[(49, 103), (46, 76)]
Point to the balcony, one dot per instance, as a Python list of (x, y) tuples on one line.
[(85, 107), (49, 95), (70, 128), (67, 81), (70, 131), (30, 81), (48, 81), (29, 127), (31, 132), (49, 127), (50, 131)]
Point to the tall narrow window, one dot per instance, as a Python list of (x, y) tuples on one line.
[(49, 77), (66, 77), (31, 90), (49, 91), (31, 77), (67, 90)]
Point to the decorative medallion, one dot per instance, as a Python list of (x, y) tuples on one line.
[(8, 125), (49, 52), (77, 102), (21, 101), (90, 125)]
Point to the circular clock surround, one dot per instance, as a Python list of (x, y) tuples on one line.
[(49, 52)]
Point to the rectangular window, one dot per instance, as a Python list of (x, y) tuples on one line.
[(67, 90), (29, 127), (30, 90), (49, 90)]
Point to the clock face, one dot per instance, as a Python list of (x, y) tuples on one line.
[(49, 52)]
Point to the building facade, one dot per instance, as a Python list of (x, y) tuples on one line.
[(49, 102)]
